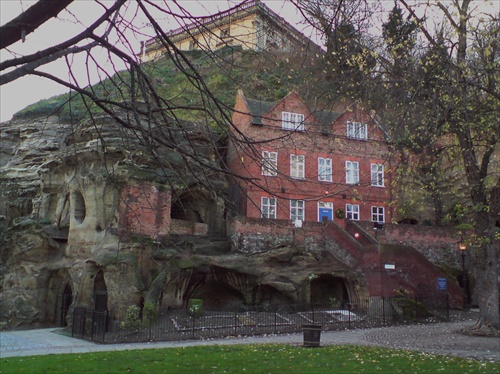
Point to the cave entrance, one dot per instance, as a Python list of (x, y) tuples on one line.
[(268, 295), (58, 297), (218, 295), (186, 207), (66, 300), (329, 289), (100, 292)]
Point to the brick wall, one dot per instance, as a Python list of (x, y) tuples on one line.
[(438, 244), (145, 210), (180, 227), (414, 270)]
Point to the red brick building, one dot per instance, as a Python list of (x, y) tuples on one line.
[(309, 165)]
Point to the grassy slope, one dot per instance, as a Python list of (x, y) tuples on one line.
[(264, 76)]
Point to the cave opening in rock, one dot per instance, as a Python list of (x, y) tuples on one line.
[(185, 208), (218, 295), (100, 292), (327, 288), (268, 295), (79, 210)]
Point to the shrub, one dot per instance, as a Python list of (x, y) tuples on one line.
[(334, 303), (411, 309), (132, 318)]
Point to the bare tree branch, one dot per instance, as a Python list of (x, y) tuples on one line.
[(30, 20), (48, 54)]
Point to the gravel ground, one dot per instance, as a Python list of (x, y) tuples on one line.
[(438, 338)]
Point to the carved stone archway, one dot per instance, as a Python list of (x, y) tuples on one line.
[(100, 292), (59, 297), (65, 301)]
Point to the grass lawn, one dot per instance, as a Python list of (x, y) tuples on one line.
[(268, 358)]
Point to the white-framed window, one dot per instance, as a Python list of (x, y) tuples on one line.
[(297, 166), (268, 207), (297, 210), (378, 214), (269, 163), (357, 130), (292, 121), (351, 172), (377, 175), (325, 169), (352, 211)]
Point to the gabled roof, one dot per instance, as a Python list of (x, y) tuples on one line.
[(326, 117), (258, 109)]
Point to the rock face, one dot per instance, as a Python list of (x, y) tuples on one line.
[(62, 195), (91, 218)]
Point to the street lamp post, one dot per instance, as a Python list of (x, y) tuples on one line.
[(462, 246)]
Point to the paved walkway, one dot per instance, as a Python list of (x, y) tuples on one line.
[(440, 338)]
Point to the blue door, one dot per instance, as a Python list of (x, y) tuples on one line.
[(325, 212)]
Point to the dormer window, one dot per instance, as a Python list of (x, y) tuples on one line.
[(357, 130), (225, 33), (292, 121)]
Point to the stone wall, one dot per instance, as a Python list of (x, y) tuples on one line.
[(254, 235)]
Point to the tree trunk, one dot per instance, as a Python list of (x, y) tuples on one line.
[(487, 292)]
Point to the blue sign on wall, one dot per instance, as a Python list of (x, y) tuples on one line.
[(441, 283)]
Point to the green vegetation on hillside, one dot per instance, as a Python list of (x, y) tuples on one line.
[(265, 76)]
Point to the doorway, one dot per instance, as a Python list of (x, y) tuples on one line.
[(66, 301), (100, 292), (325, 211)]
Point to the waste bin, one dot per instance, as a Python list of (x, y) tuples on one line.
[(312, 335)]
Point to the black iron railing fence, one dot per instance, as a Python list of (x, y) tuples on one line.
[(133, 325)]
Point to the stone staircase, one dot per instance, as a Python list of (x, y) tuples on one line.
[(390, 267)]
